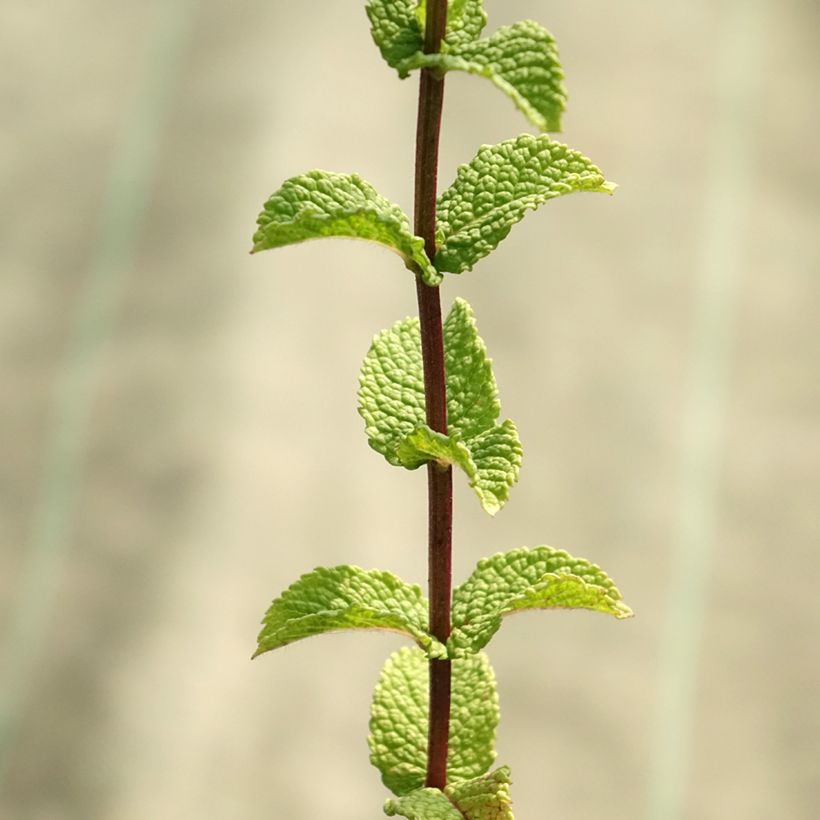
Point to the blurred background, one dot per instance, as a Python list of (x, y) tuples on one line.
[(180, 438)]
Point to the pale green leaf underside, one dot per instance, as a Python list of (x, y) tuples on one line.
[(538, 578), (397, 31), (491, 460), (397, 27), (391, 401), (423, 804), (344, 597), (521, 60), (484, 798), (321, 204), (399, 720), (494, 192)]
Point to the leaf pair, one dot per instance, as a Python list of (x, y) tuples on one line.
[(398, 741), (521, 60), (484, 798), (489, 195), (392, 403), (346, 597)]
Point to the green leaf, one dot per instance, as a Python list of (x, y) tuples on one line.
[(538, 578), (494, 192), (397, 30), (400, 718), (344, 597), (391, 401), (424, 444), (485, 798), (491, 460), (323, 204), (423, 804), (465, 22), (521, 60), (391, 392), (472, 393)]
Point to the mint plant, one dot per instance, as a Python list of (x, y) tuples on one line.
[(428, 397)]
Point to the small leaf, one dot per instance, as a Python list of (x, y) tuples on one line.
[(323, 204), (465, 22), (400, 718), (494, 192), (539, 578), (492, 460), (423, 804), (521, 60), (485, 798), (345, 597), (391, 401), (391, 392), (497, 457), (472, 393), (397, 30)]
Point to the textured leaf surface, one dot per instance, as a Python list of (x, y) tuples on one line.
[(391, 392), (494, 192), (323, 204), (522, 61), (472, 393), (496, 455), (391, 401), (538, 578), (346, 597), (465, 22), (491, 461), (397, 30), (485, 798), (424, 444), (399, 720), (423, 804)]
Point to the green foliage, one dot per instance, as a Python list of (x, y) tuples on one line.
[(539, 578), (489, 195), (399, 721), (322, 204), (391, 401), (344, 597), (520, 60), (496, 189), (484, 798)]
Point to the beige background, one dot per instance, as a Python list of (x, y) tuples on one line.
[(180, 439)]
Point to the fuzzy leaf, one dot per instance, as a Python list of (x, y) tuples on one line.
[(472, 393), (485, 798), (491, 460), (400, 715), (397, 30), (345, 597), (539, 578), (496, 190), (521, 60), (391, 401), (465, 22), (391, 392), (323, 204), (423, 804), (497, 457)]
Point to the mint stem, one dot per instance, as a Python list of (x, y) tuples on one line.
[(439, 480)]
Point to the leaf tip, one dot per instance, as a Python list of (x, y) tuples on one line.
[(609, 187)]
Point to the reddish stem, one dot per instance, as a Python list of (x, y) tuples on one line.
[(439, 479)]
